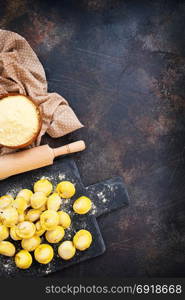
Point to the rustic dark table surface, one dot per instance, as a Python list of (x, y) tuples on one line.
[(121, 65)]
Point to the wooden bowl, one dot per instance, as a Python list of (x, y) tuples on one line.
[(35, 134)]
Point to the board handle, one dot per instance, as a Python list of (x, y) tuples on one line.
[(108, 196), (69, 148)]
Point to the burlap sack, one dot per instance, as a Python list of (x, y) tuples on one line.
[(22, 72)]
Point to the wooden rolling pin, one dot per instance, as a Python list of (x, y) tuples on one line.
[(34, 158)]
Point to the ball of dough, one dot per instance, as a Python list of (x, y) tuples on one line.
[(10, 216), (33, 215), (4, 232), (14, 235), (6, 201), (64, 219), (23, 259), (54, 202), (55, 235), (82, 205), (31, 244), (20, 204), (25, 229), (43, 185), (66, 250), (44, 253), (38, 199), (65, 189), (39, 229), (49, 219), (7, 248), (26, 194), (82, 240)]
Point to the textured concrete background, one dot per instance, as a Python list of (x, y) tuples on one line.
[(121, 65)]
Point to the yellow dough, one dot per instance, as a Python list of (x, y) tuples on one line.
[(32, 218), (49, 219), (6, 201), (25, 229), (33, 215), (10, 216), (38, 199), (54, 202), (66, 250), (64, 219), (43, 185), (65, 189), (26, 194), (82, 240), (7, 248), (20, 204), (21, 218), (31, 244), (39, 229), (82, 205), (23, 259), (43, 207), (13, 234), (44, 253), (55, 235), (4, 232)]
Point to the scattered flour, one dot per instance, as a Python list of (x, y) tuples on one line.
[(62, 176), (102, 197), (14, 190), (94, 209), (49, 269)]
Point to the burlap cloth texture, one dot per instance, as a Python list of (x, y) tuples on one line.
[(22, 72)]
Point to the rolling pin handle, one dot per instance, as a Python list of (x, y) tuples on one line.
[(69, 148)]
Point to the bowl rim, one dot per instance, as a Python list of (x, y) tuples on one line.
[(28, 143)]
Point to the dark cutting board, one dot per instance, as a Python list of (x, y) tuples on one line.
[(106, 196)]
